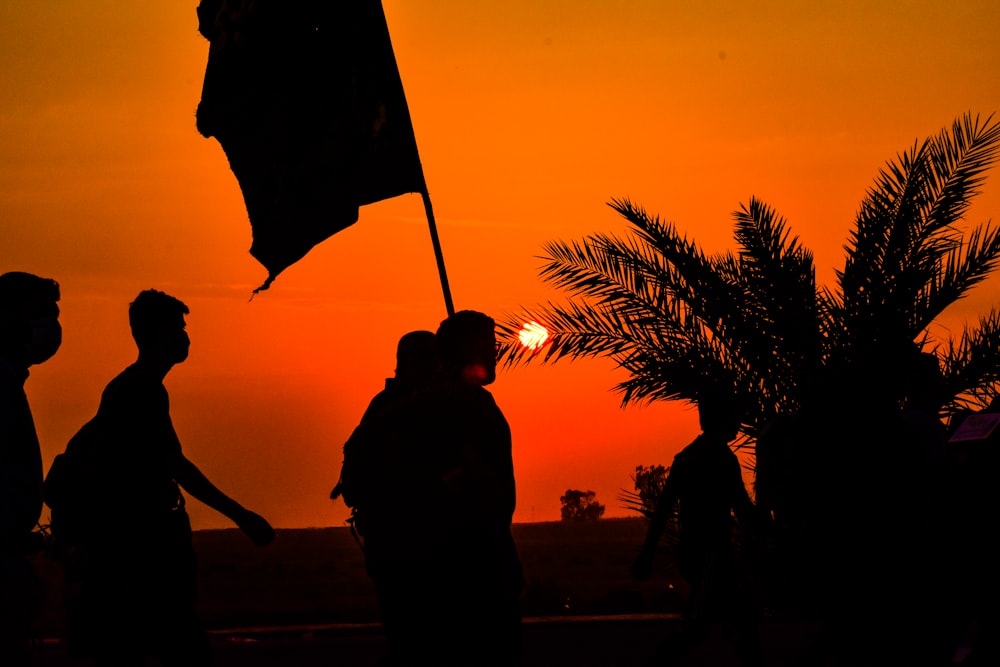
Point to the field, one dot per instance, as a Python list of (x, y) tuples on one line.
[(317, 576)]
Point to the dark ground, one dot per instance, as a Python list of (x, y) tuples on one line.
[(306, 600), (317, 577), (608, 641)]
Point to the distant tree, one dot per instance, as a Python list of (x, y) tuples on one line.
[(581, 506), (647, 481)]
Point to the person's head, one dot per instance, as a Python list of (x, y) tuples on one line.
[(467, 347), (416, 357), (158, 327), (30, 332), (719, 412)]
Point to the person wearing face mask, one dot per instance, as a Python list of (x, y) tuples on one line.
[(132, 567), (29, 334)]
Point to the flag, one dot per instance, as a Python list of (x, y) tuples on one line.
[(305, 98)]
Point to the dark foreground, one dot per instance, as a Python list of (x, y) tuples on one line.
[(583, 641), (317, 577), (306, 600)]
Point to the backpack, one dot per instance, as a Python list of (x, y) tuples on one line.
[(72, 490), (356, 482), (377, 478)]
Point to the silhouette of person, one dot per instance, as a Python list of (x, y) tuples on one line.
[(362, 482), (29, 334), (135, 568), (705, 485), (417, 366), (450, 578)]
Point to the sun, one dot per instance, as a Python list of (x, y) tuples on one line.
[(533, 335)]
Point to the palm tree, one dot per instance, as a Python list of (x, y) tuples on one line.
[(674, 318)]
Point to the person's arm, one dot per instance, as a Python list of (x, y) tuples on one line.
[(9, 523), (194, 482), (642, 567), (740, 502), (750, 515)]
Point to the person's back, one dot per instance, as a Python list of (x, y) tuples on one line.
[(139, 566), (417, 366), (447, 447), (709, 485), (137, 447), (372, 468)]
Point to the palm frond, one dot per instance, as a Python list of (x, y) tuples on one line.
[(972, 365), (965, 267), (782, 311), (754, 319), (906, 260), (957, 166)]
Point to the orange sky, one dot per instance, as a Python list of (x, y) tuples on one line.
[(530, 115)]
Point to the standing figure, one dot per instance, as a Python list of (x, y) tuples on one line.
[(449, 576), (705, 485), (416, 367), (363, 489), (132, 565), (29, 334)]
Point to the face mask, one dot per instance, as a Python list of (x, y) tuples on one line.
[(46, 337)]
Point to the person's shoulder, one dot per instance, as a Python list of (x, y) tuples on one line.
[(479, 399), (124, 383), (455, 400), (687, 453), (704, 448), (133, 387), (380, 403), (453, 389)]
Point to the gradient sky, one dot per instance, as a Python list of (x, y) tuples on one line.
[(530, 115)]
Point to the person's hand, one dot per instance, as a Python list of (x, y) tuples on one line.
[(642, 567), (256, 528)]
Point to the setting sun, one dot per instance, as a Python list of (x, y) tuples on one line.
[(533, 335)]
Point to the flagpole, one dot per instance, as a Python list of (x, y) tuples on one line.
[(437, 251)]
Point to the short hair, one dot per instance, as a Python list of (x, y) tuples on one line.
[(460, 338), (416, 355), (718, 408), (152, 312), (25, 296)]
